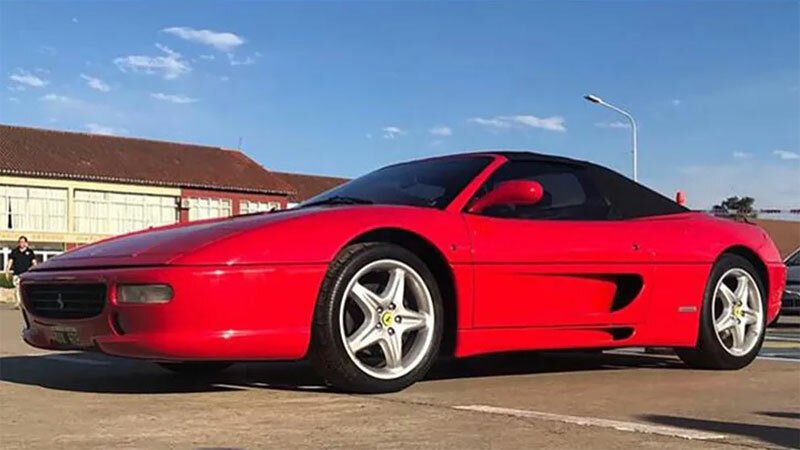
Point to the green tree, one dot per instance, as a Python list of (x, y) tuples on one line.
[(739, 207)]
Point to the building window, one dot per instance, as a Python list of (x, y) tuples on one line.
[(209, 208), (33, 209), (248, 207), (114, 213)]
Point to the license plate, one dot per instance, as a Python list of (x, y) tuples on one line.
[(66, 336)]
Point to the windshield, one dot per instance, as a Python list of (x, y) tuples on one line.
[(431, 183)]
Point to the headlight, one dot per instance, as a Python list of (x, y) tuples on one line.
[(144, 293)]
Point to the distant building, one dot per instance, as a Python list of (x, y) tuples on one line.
[(63, 189), (307, 186)]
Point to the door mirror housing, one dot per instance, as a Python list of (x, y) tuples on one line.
[(515, 192)]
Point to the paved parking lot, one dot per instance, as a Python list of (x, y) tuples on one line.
[(568, 400)]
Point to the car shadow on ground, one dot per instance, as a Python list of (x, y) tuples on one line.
[(769, 434), (99, 374)]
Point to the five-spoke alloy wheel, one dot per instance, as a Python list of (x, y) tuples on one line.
[(738, 312), (378, 321), (732, 319), (398, 320)]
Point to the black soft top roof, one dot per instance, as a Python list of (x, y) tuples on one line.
[(518, 155), (629, 197)]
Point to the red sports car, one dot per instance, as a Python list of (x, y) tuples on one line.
[(459, 255)]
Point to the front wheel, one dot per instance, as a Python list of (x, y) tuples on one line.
[(733, 317), (378, 322)]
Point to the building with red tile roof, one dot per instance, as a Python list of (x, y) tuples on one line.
[(62, 189)]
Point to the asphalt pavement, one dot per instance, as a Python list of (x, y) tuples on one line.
[(555, 400)]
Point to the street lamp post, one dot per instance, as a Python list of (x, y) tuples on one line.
[(599, 101)]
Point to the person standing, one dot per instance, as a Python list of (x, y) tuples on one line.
[(20, 261)]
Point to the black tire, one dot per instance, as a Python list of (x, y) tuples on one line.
[(328, 354), (195, 368), (709, 352)]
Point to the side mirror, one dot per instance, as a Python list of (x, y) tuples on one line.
[(680, 198), (516, 192)]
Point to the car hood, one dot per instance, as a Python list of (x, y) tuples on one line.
[(301, 236), (165, 244)]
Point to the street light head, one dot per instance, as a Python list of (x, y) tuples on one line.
[(593, 98)]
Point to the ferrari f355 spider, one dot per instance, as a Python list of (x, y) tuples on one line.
[(458, 255)]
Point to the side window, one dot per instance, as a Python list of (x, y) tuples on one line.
[(629, 198), (568, 193)]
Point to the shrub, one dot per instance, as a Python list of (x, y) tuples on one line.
[(6, 282)]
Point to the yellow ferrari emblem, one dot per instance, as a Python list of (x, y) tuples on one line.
[(737, 311), (386, 319)]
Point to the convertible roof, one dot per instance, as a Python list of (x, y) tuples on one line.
[(630, 198), (519, 155), (533, 156)]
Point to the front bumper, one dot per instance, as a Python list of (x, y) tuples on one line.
[(225, 313)]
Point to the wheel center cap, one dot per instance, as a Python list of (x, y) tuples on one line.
[(386, 319), (737, 311)]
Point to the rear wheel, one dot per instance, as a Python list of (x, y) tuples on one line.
[(195, 368), (378, 322), (733, 317)]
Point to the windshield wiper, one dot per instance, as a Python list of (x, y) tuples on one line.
[(339, 200)]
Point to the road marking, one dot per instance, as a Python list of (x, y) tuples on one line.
[(596, 422), (781, 344), (780, 359), (233, 387), (782, 339), (75, 359)]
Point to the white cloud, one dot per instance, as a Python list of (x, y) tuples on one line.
[(46, 49), (554, 123), (786, 154), (441, 130), (676, 102), (28, 79), (96, 83), (173, 98), (241, 62), (612, 124), (223, 41), (13, 99), (171, 65), (16, 88), (208, 57), (104, 130), (392, 132), (224, 78), (368, 135), (741, 155), (57, 98)]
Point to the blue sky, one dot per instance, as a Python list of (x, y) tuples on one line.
[(342, 88)]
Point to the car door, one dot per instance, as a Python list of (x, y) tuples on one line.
[(568, 260)]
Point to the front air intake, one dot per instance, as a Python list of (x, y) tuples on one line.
[(64, 301)]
